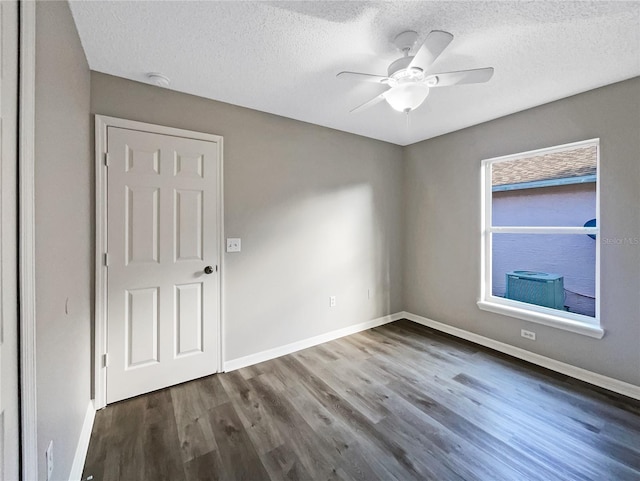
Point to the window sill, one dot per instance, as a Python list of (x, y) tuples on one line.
[(545, 319)]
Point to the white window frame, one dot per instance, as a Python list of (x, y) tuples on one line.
[(568, 321)]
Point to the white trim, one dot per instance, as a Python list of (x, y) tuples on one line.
[(100, 334), (485, 236), (221, 254), (537, 313), (546, 319), (83, 444), (615, 385), (275, 352), (554, 318), (26, 222), (543, 230), (155, 129), (543, 151), (598, 235), (100, 340)]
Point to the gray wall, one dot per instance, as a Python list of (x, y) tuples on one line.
[(9, 360), (442, 246), (64, 253), (318, 211)]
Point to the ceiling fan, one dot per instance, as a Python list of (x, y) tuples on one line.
[(407, 77)]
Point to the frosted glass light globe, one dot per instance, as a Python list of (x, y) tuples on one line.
[(408, 96)]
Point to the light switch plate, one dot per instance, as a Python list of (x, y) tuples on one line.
[(233, 245)]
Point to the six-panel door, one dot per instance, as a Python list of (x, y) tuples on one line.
[(162, 234)]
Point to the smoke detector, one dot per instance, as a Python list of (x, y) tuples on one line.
[(158, 79)]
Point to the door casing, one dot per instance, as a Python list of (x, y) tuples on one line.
[(26, 239), (100, 332)]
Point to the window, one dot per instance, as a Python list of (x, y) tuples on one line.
[(540, 237)]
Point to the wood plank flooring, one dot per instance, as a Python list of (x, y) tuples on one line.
[(399, 402)]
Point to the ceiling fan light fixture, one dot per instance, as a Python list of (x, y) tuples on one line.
[(407, 97), (407, 77)]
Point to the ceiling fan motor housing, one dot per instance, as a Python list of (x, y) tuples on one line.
[(400, 64)]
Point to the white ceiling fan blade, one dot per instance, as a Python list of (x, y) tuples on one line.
[(369, 103), (433, 46), (475, 76), (366, 77)]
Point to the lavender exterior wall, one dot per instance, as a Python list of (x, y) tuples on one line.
[(572, 256)]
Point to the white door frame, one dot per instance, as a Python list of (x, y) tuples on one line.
[(100, 338), (26, 242)]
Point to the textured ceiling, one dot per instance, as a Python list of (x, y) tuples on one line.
[(282, 57)]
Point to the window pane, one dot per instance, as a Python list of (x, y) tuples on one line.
[(556, 189), (556, 271)]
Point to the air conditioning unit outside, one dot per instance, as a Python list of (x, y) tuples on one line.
[(540, 288)]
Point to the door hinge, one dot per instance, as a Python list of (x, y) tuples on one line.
[(106, 259), (216, 268), (105, 360), (106, 159)]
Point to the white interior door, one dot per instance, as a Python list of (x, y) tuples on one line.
[(163, 276), (9, 409)]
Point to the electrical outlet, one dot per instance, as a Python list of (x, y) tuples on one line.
[(528, 334), (332, 301), (233, 245), (49, 456)]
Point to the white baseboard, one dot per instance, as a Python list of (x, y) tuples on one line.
[(83, 444), (262, 356), (615, 385)]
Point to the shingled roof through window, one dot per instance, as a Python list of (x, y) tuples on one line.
[(557, 165)]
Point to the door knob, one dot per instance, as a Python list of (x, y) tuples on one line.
[(208, 270)]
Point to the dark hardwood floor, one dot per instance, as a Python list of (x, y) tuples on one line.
[(399, 402)]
